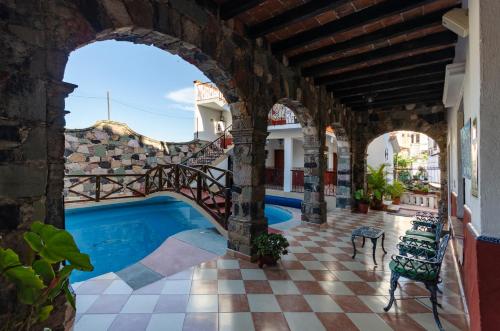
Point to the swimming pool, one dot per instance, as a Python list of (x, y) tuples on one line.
[(118, 235)]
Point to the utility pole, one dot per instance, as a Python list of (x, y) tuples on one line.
[(109, 107)]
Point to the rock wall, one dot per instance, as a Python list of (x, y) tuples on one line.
[(110, 147)]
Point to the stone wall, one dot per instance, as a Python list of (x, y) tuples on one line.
[(110, 147)]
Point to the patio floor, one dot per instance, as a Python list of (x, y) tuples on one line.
[(318, 286)]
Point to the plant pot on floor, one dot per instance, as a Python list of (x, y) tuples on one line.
[(268, 260), (396, 201), (363, 207), (377, 204)]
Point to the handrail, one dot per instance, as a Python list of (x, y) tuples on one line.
[(208, 186), (218, 150)]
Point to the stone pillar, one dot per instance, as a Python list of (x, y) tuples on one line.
[(287, 169), (314, 205), (359, 164), (247, 220), (343, 192)]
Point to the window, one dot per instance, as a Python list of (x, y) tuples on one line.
[(417, 138)]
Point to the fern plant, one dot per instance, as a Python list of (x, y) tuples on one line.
[(44, 277)]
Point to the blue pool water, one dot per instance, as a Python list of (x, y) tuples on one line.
[(116, 236)]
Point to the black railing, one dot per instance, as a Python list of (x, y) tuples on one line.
[(208, 186), (211, 151)]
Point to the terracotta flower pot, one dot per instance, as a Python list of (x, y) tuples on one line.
[(396, 201), (267, 260), (363, 207)]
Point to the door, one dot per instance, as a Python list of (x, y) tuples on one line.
[(279, 166)]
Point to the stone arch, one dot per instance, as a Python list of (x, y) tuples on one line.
[(313, 205), (430, 121)]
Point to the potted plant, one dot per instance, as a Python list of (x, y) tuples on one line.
[(270, 247), (396, 190), (43, 277), (377, 186), (362, 201)]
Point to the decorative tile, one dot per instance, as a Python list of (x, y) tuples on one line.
[(108, 304), (140, 304), (265, 303), (233, 303), (235, 321), (130, 322), (201, 322), (283, 287), (204, 303), (231, 287), (171, 303), (95, 322), (322, 303), (270, 322), (176, 287), (253, 274), (304, 321), (166, 322)]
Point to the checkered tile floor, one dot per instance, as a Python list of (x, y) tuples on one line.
[(318, 286)]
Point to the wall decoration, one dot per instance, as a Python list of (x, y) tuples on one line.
[(465, 149), (474, 159)]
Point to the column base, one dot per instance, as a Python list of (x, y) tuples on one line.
[(314, 212), (242, 232)]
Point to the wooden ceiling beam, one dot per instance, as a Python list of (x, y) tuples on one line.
[(444, 38), (300, 13), (435, 98), (393, 31), (412, 62), (389, 78), (356, 20), (409, 83), (404, 93), (233, 8)]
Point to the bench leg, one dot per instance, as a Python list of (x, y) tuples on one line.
[(433, 289), (374, 241), (394, 285), (353, 246), (363, 245), (383, 239)]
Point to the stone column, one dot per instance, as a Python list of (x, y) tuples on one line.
[(314, 205), (287, 169), (359, 164), (247, 220), (343, 191)]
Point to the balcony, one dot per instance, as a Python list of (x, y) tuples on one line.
[(209, 95), (281, 115)]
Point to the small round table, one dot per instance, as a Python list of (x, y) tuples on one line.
[(370, 232)]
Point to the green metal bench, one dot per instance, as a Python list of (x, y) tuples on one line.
[(421, 270)]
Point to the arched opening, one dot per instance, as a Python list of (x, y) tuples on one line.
[(117, 147), (404, 167)]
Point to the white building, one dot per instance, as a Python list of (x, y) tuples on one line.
[(381, 151), (285, 154)]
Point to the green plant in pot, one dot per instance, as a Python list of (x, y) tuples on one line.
[(43, 277), (362, 201), (377, 186), (270, 247), (396, 190)]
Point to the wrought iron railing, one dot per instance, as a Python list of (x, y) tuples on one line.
[(211, 151), (424, 174), (206, 91), (281, 115), (208, 186)]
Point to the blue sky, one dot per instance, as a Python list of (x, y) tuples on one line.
[(151, 90)]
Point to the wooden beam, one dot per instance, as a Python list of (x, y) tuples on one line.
[(393, 31), (294, 15), (435, 98), (441, 56), (412, 82), (404, 93), (444, 38), (389, 78), (235, 7), (357, 20)]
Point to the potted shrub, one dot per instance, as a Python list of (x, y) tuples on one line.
[(377, 186), (270, 247), (362, 201), (396, 190), (43, 277)]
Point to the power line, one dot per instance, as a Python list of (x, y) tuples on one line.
[(130, 106)]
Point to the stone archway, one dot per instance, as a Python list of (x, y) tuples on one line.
[(430, 121), (313, 205)]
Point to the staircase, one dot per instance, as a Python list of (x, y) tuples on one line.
[(211, 151)]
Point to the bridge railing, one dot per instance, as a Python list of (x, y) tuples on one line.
[(208, 186)]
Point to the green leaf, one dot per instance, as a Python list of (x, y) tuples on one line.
[(45, 312), (8, 259), (69, 296), (44, 269), (46, 231), (25, 277), (34, 240), (80, 261), (28, 295)]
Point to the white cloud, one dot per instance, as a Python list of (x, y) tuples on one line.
[(182, 96)]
